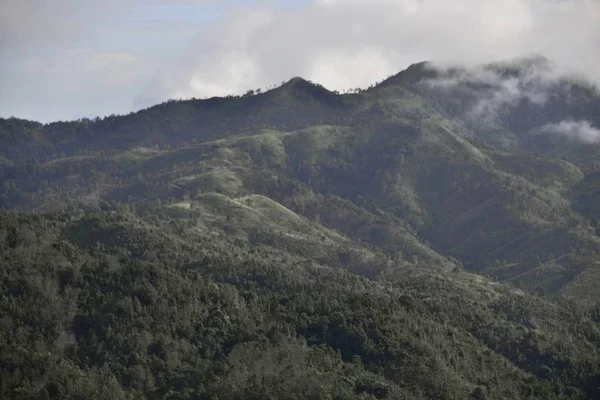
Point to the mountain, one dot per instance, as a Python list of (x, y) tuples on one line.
[(434, 163), (295, 104), (246, 299), (433, 236)]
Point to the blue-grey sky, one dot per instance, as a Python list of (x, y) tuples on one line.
[(65, 59)]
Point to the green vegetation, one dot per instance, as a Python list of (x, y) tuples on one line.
[(114, 304), (298, 243)]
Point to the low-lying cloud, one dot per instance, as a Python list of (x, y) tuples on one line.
[(490, 88), (244, 45), (580, 130), (344, 44)]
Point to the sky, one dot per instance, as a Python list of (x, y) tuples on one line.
[(68, 59)]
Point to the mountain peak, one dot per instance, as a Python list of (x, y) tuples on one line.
[(414, 73), (302, 89), (297, 81)]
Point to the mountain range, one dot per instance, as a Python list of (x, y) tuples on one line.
[(436, 235)]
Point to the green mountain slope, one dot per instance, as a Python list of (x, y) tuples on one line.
[(122, 306), (429, 237), (400, 184), (295, 104)]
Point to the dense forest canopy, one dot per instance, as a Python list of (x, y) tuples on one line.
[(434, 236)]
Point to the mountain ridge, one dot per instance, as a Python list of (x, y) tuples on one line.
[(415, 240)]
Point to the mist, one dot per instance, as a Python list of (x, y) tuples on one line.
[(200, 49), (580, 130)]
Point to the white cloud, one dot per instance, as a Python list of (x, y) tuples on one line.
[(495, 90), (219, 62), (338, 43), (349, 43), (341, 70), (581, 130)]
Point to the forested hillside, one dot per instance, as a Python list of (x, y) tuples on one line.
[(110, 304), (434, 236)]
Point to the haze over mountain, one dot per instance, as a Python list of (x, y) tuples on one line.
[(112, 57), (436, 235)]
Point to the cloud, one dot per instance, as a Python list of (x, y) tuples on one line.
[(237, 45), (350, 43), (496, 86), (213, 67), (581, 130), (26, 22)]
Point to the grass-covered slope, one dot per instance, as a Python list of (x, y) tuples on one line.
[(414, 188)]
